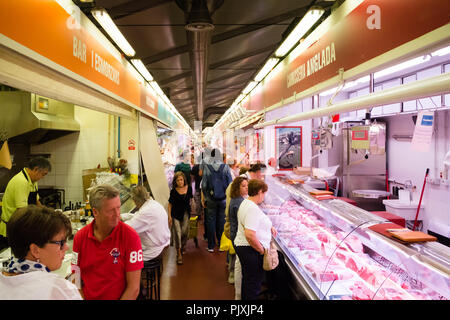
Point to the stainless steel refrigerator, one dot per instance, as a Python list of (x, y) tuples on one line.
[(359, 170)]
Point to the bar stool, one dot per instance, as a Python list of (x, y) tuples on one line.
[(152, 275)]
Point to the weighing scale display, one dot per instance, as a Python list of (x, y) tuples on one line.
[(360, 135)]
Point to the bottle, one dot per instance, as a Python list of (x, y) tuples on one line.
[(82, 210), (88, 209), (76, 216)]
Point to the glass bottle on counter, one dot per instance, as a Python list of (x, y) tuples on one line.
[(88, 210), (76, 216)]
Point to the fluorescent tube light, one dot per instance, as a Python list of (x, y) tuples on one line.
[(356, 82), (110, 27), (266, 69), (309, 19), (441, 52), (142, 69), (157, 89), (249, 87), (348, 85), (328, 92), (239, 99), (402, 66), (168, 102)]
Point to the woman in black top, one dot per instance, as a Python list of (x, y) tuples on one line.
[(179, 212)]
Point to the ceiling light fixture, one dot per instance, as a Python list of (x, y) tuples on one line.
[(142, 69), (441, 52), (402, 66), (157, 89), (266, 69), (308, 20), (110, 27), (249, 87)]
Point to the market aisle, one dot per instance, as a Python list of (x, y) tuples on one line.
[(202, 276)]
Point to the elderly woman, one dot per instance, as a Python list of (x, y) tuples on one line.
[(253, 236), (38, 240), (239, 191), (179, 212), (150, 222)]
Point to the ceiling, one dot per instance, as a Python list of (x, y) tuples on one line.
[(202, 73)]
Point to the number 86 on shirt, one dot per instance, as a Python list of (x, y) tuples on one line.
[(136, 256)]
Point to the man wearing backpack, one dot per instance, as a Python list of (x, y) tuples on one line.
[(215, 180)]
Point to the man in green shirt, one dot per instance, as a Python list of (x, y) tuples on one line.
[(22, 191), (184, 166)]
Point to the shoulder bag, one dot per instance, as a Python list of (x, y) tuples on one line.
[(270, 260)]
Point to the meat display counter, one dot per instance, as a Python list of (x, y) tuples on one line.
[(333, 254)]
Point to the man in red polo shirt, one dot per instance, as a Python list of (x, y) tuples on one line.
[(107, 252)]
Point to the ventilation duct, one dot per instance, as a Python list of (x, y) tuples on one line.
[(199, 27), (33, 119)]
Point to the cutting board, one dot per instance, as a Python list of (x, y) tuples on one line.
[(410, 236), (294, 181), (324, 197), (320, 192), (381, 228)]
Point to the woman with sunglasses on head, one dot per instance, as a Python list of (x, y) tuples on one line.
[(38, 239)]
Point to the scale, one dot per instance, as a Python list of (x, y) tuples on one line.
[(371, 194), (360, 137), (321, 138), (364, 171)]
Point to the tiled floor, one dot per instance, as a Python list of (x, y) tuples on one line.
[(202, 276)]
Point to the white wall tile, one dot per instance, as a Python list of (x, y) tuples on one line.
[(60, 180), (60, 168)]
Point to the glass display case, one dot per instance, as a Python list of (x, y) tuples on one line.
[(333, 254)]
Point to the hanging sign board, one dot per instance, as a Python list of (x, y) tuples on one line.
[(360, 137), (423, 131)]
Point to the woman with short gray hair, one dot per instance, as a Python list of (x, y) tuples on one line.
[(139, 195), (150, 222)]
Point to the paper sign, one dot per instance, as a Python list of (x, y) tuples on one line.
[(423, 131), (360, 137)]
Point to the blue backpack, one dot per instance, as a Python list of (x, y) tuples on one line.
[(217, 183)]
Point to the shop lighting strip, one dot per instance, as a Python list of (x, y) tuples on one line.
[(249, 87), (402, 66), (270, 64), (142, 69), (309, 19), (103, 18)]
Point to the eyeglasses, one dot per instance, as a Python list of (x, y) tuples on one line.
[(61, 243)]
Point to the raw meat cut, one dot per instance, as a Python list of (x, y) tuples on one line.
[(354, 244), (360, 291), (322, 236)]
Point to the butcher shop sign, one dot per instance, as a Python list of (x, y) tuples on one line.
[(312, 65)]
